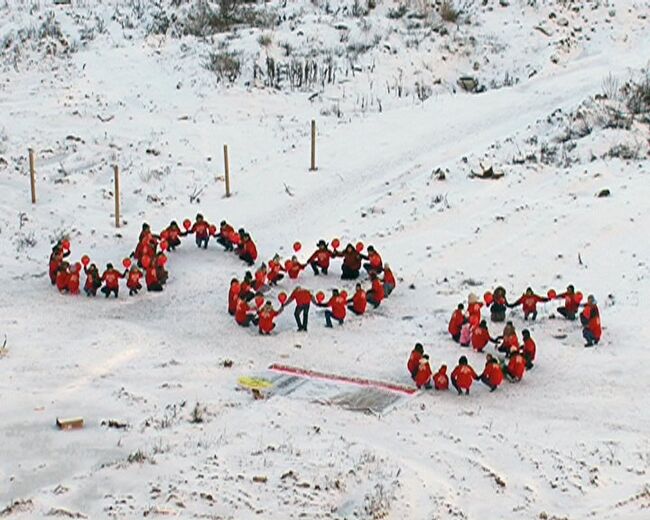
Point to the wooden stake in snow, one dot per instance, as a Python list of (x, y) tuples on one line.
[(116, 170), (32, 174), (226, 166), (313, 146)]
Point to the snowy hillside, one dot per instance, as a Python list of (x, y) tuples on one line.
[(555, 95)]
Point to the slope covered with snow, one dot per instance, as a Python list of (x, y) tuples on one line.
[(569, 441)]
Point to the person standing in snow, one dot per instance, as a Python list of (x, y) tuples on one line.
[(233, 296), (463, 376), (414, 360), (62, 276), (590, 319), (529, 348), (303, 299), (528, 302), (474, 306), (201, 230)]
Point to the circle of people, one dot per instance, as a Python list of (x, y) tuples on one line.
[(467, 328), (246, 300)]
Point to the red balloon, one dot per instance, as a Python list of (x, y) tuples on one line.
[(359, 247), (145, 261), (344, 294), (162, 260), (336, 243), (259, 301), (578, 297), (126, 263), (287, 265), (187, 224), (551, 294), (297, 246), (488, 298), (85, 260), (282, 297), (65, 244), (473, 320), (164, 245), (213, 229), (320, 296)]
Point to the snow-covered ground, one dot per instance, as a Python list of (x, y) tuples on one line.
[(570, 441)]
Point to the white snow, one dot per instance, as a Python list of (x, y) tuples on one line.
[(569, 441)]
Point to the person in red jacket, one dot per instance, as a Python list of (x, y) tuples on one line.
[(266, 316), (247, 250), (474, 306), (481, 336), (389, 280), (93, 280), (337, 308), (499, 305), (529, 349), (351, 262), (62, 276), (293, 267), (56, 258), (201, 230), (260, 278), (73, 278), (225, 236), (376, 293), (244, 315), (516, 366), (492, 374), (440, 379), (359, 301), (111, 279), (133, 277), (456, 322), (463, 376), (151, 278), (233, 296), (246, 287), (303, 299), (172, 235), (528, 302), (423, 377), (571, 303), (374, 264), (320, 259), (414, 360), (509, 339), (275, 271), (590, 319)]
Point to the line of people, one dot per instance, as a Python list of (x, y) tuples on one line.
[(464, 325), (463, 376), (149, 258), (247, 303)]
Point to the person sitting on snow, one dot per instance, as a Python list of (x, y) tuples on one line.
[(389, 280), (320, 259), (516, 366), (337, 308), (481, 336), (509, 339), (359, 301), (374, 264), (440, 379), (266, 317), (492, 374), (423, 377), (571, 303), (351, 262), (529, 301), (529, 349), (499, 305)]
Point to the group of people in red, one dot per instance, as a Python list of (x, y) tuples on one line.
[(248, 304), (147, 261), (469, 329)]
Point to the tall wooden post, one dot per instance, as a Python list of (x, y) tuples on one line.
[(32, 174), (313, 146), (226, 167), (116, 171)]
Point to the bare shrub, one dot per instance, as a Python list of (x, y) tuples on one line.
[(226, 65), (448, 11)]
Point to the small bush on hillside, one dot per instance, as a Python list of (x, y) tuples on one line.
[(225, 65), (448, 11)]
